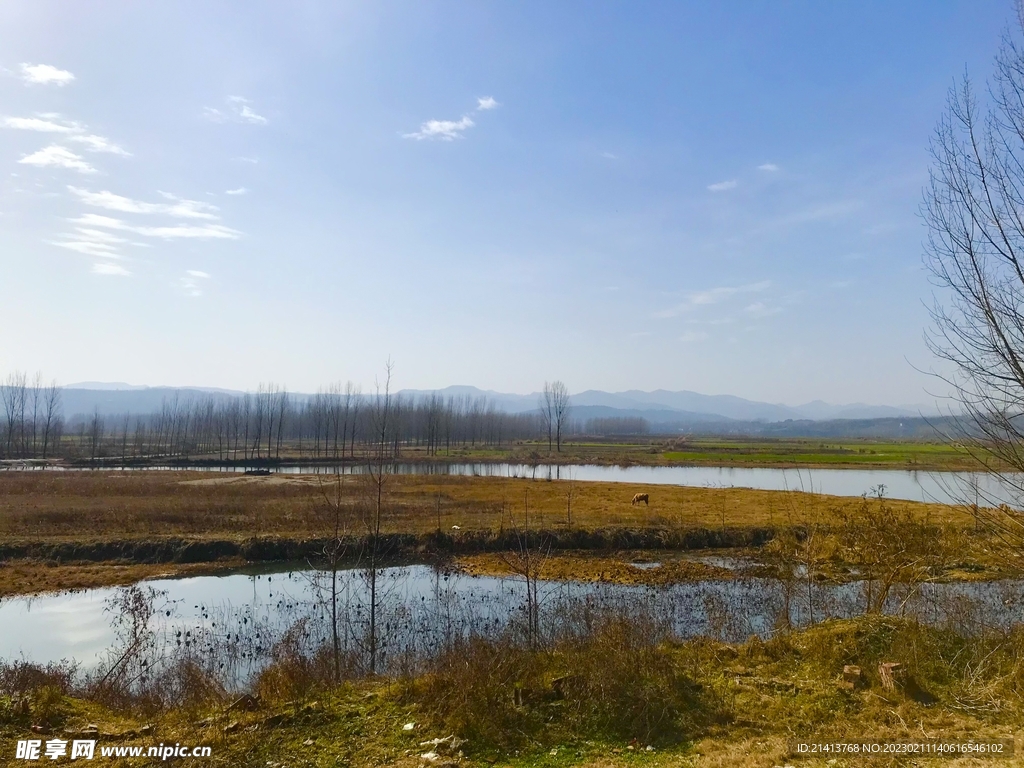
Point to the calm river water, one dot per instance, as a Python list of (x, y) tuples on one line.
[(422, 608), (941, 487)]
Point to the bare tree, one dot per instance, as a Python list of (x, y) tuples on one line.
[(560, 409), (33, 405), (974, 209), (12, 392), (555, 408), (527, 560), (547, 412), (379, 468), (570, 494), (331, 518), (95, 433), (126, 419), (51, 414)]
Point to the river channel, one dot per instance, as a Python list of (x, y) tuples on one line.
[(909, 485)]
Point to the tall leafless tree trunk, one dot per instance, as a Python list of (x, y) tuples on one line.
[(13, 395), (51, 414), (379, 469), (560, 410), (547, 412), (332, 520), (555, 408)]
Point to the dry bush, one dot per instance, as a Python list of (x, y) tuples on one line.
[(625, 680), (49, 705), (472, 690), (620, 678), (18, 678), (185, 684), (45, 686), (890, 546), (293, 675), (939, 664), (126, 679)]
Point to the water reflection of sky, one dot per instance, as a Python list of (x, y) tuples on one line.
[(941, 487), (419, 598)]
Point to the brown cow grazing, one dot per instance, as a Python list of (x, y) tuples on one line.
[(641, 497)]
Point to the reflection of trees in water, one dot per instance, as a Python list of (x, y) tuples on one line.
[(418, 621)]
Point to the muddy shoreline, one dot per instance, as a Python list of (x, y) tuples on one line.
[(397, 545)]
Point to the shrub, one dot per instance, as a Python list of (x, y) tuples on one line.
[(295, 674), (620, 678)]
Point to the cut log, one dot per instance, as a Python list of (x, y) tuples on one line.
[(890, 673)]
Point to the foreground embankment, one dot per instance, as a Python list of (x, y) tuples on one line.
[(619, 693)]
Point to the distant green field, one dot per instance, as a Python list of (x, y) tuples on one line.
[(765, 452), (817, 452)]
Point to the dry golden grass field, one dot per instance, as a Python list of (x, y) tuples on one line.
[(124, 509), (89, 506)]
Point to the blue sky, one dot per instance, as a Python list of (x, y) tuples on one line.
[(720, 197)]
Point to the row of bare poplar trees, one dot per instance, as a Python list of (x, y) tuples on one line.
[(333, 424), (32, 417)]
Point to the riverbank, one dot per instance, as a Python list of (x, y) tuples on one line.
[(106, 506), (779, 453), (584, 703), (57, 529), (74, 530)]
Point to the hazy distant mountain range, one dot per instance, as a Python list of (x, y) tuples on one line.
[(658, 407), (694, 404)]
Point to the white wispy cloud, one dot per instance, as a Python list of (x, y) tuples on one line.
[(200, 232), (253, 160), (47, 124), (771, 167), (178, 207), (445, 130), (609, 155), (237, 111), (98, 236), (723, 186), (45, 74), (56, 156), (106, 268), (191, 282), (760, 309), (705, 298), (95, 143), (487, 102), (239, 191), (54, 123), (691, 336), (88, 248), (91, 242), (251, 117)]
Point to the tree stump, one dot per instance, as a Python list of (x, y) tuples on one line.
[(852, 677), (890, 673)]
